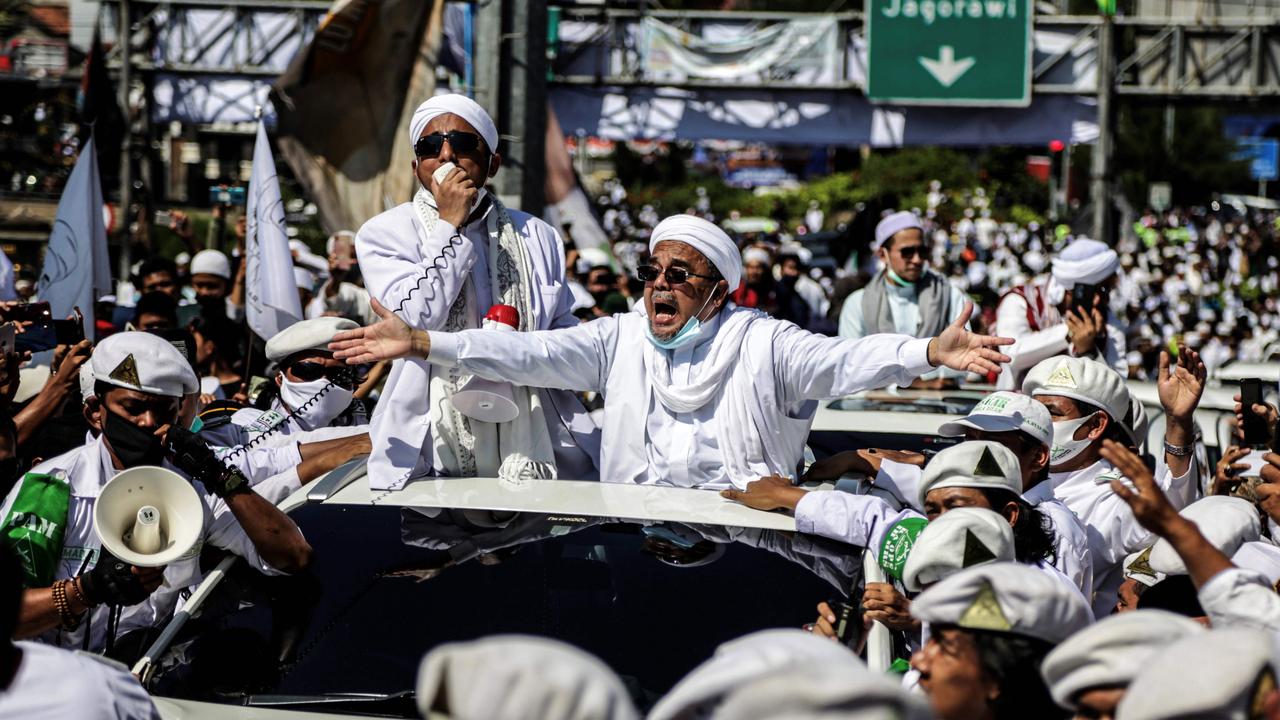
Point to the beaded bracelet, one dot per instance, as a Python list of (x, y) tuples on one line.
[(69, 620), (79, 591)]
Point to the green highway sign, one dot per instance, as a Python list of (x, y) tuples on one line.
[(949, 52)]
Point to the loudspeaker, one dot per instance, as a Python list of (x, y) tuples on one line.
[(148, 516), (486, 401)]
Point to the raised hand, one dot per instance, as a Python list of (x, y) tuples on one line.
[(1180, 386), (1148, 502), (388, 339), (959, 349)]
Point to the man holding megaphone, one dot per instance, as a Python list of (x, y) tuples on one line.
[(48, 517)]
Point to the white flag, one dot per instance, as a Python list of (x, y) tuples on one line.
[(76, 268), (8, 292), (271, 297)]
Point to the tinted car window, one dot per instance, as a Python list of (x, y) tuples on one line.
[(825, 443), (388, 584)]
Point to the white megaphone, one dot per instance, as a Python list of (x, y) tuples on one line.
[(148, 516), (486, 400)]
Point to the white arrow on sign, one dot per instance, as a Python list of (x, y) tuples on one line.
[(946, 69)]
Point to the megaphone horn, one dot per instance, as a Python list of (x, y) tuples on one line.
[(486, 400), (149, 516)]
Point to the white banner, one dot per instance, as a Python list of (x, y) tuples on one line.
[(271, 296), (801, 51), (76, 269)]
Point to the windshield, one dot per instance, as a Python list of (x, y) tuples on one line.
[(388, 584)]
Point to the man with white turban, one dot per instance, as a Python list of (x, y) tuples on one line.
[(439, 263), (1041, 318), (697, 394)]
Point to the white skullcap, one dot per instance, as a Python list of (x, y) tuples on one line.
[(1006, 597), (595, 257), (86, 382), (1261, 557), (957, 539), (973, 464), (1085, 261), (745, 661), (304, 278), (755, 255), (1088, 381), (314, 334), (1137, 567), (519, 677), (460, 105), (1112, 652), (211, 262), (143, 362), (894, 224), (706, 238), (1004, 411), (181, 259), (1203, 675), (330, 243), (815, 692), (1226, 522)]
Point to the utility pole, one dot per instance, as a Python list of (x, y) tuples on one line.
[(511, 83), (126, 166), (1100, 173)]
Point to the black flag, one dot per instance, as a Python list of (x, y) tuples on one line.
[(100, 110)]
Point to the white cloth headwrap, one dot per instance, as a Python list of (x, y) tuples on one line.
[(1085, 261), (460, 105), (894, 224), (755, 255), (706, 238)]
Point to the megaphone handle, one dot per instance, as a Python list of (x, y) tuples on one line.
[(113, 623)]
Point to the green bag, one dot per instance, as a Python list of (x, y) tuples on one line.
[(36, 525)]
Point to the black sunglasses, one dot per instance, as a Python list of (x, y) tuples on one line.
[(674, 275), (909, 252), (309, 371), (429, 146)]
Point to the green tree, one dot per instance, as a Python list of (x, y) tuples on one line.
[(1198, 163)]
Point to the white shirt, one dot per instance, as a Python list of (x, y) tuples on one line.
[(1030, 347), (419, 276), (351, 302), (1113, 532), (1241, 598), (88, 469), (55, 684), (783, 371)]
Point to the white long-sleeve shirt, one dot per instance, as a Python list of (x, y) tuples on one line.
[(1241, 598), (419, 275), (783, 371), (1112, 530), (1032, 346)]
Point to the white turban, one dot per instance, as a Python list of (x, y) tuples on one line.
[(460, 105), (894, 224), (706, 238), (1085, 261)]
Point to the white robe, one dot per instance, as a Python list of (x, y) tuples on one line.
[(781, 373), (88, 468), (1032, 346), (419, 277), (1112, 530)]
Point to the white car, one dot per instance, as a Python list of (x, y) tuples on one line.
[(650, 579)]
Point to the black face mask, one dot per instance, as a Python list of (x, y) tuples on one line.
[(133, 445)]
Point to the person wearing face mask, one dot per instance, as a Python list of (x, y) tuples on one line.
[(1089, 404), (140, 381), (906, 296), (697, 393), (304, 415), (440, 263), (1017, 422)]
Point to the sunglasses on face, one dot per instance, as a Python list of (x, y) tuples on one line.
[(908, 253), (429, 146), (309, 371), (674, 275)]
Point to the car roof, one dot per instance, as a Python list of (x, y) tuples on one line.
[(1239, 370), (348, 485)]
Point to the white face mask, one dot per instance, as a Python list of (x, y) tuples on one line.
[(317, 412), (1065, 446)]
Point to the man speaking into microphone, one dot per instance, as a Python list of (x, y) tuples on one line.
[(439, 263)]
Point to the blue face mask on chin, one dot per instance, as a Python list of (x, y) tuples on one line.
[(691, 331)]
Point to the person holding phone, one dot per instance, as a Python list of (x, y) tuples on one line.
[(341, 296), (439, 263), (1067, 314), (140, 380)]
